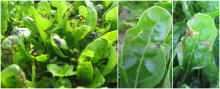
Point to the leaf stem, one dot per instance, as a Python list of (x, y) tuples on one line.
[(33, 72)]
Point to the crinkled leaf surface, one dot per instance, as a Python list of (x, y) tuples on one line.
[(142, 62)]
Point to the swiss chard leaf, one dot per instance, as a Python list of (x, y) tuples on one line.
[(195, 51), (142, 61)]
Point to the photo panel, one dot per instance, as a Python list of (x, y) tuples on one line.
[(145, 44), (195, 44)]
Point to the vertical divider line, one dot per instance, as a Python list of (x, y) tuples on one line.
[(172, 44), (117, 46)]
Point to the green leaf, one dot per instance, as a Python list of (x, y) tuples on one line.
[(211, 72), (4, 17), (79, 33), (61, 70), (61, 9), (91, 20), (111, 62), (111, 37), (85, 71), (98, 79), (196, 47), (98, 46), (42, 24), (142, 61), (57, 43), (64, 83), (111, 16)]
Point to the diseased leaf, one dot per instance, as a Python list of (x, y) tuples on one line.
[(84, 67), (58, 43), (195, 51), (98, 46), (42, 24), (13, 76)]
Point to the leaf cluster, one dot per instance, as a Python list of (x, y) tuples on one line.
[(59, 44)]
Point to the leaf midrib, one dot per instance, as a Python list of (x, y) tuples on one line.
[(138, 70), (190, 58)]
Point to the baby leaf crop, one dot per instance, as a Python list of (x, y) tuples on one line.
[(59, 44)]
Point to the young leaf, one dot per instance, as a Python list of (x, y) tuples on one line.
[(91, 19), (61, 70), (143, 62)]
